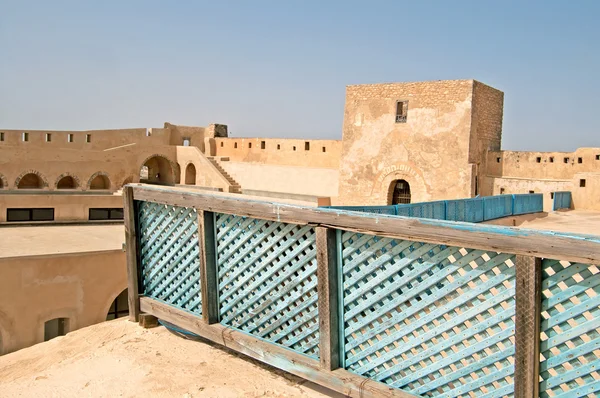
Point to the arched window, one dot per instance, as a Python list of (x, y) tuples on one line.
[(66, 182), (119, 308), (157, 170), (190, 174), (100, 182), (30, 181), (399, 192)]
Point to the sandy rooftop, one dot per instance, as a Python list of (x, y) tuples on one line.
[(121, 359)]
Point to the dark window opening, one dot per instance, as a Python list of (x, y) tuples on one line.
[(324, 149), (307, 146), (26, 215), (566, 160), (278, 146), (400, 192), (501, 191), (25, 137), (263, 145), (88, 138), (235, 145), (294, 148), (582, 183), (249, 145), (105, 214), (69, 137), (119, 308), (579, 160), (538, 159), (597, 156), (48, 137), (551, 195), (1, 136), (531, 191), (55, 327), (497, 160), (221, 144), (401, 111), (551, 159)]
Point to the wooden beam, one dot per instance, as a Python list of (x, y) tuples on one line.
[(339, 380), (208, 267), (131, 248), (148, 321), (527, 327), (327, 277), (546, 244)]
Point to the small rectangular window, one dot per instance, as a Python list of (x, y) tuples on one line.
[(48, 137), (186, 142), (531, 191), (501, 191), (324, 150), (249, 145), (566, 160), (551, 159), (235, 145), (278, 147), (69, 137), (551, 195), (221, 144), (580, 160), (88, 138), (497, 160), (538, 159), (42, 214), (597, 156), (105, 214), (294, 148), (17, 215), (1, 136), (582, 183), (263, 145), (307, 146), (401, 111), (25, 137)]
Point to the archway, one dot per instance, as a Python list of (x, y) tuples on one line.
[(30, 181), (99, 181), (190, 174), (399, 192), (67, 182), (3, 183), (119, 307), (157, 170), (127, 180)]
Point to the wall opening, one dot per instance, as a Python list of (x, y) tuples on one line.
[(324, 149), (531, 191), (100, 182), (221, 144), (56, 327), (1, 136), (26, 215), (538, 159), (190, 174), (69, 137), (159, 171), (25, 137), (48, 137), (105, 214), (249, 145), (497, 160), (551, 159), (401, 111), (88, 138), (597, 156), (582, 183), (551, 195), (263, 145), (307, 146), (119, 307), (566, 160), (501, 191), (579, 160), (399, 192), (186, 142), (235, 145), (30, 181), (294, 148), (66, 182), (278, 146)]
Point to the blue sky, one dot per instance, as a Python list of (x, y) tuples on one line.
[(279, 68)]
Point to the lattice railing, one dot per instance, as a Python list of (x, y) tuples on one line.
[(430, 319), (268, 280), (169, 255), (570, 331)]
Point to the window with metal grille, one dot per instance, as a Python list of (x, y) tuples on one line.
[(401, 111), (25, 215), (400, 192), (105, 214)]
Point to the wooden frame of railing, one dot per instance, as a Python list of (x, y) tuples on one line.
[(529, 247)]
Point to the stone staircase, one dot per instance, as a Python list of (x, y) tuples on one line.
[(235, 186)]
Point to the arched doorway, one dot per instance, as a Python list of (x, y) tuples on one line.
[(30, 181), (157, 170), (66, 182), (119, 307), (190, 174), (100, 181), (399, 192)]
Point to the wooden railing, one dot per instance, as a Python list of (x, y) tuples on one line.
[(369, 304)]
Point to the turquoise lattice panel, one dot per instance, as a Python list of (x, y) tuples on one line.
[(268, 280), (429, 319), (169, 255), (570, 330)]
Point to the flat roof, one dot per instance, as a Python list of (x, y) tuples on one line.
[(120, 358), (59, 239), (576, 221)]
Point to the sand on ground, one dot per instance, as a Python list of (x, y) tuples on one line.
[(121, 359)]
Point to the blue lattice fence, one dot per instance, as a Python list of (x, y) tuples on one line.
[(570, 331), (267, 273), (169, 255), (427, 318)]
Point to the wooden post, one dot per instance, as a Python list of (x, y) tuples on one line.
[(327, 274), (527, 333), (129, 215), (208, 267)]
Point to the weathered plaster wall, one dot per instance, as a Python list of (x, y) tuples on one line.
[(206, 173), (289, 179), (35, 289), (284, 152), (430, 150), (66, 207)]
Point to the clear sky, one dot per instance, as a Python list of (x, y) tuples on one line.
[(279, 68)]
